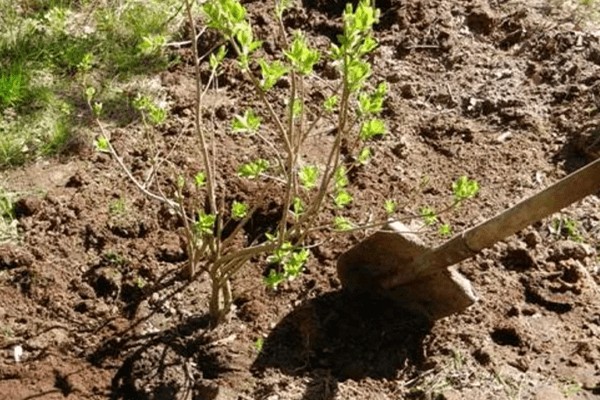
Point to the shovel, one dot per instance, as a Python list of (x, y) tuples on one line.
[(397, 264)]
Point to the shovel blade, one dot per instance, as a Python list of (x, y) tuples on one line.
[(436, 296), (371, 263)]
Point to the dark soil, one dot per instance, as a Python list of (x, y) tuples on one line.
[(507, 93)]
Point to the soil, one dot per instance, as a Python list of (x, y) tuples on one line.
[(507, 93)]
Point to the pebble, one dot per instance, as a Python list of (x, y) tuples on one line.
[(532, 239)]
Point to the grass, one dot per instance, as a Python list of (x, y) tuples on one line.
[(8, 221), (50, 51)]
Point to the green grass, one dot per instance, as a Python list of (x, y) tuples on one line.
[(51, 50), (8, 222)]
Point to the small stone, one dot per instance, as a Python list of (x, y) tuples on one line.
[(532, 239), (155, 298), (503, 137), (17, 353)]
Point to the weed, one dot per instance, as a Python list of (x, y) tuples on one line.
[(259, 344), (566, 227), (7, 206), (7, 331), (390, 206), (8, 221), (115, 258), (140, 282), (117, 207), (572, 389)]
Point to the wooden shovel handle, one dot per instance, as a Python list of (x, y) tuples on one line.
[(568, 190)]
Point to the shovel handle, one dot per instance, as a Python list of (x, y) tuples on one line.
[(566, 191)]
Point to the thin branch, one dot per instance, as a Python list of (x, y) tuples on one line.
[(198, 116), (140, 186)]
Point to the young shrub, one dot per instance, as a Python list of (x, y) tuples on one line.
[(309, 190)]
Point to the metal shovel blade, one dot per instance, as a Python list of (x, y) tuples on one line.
[(366, 265)]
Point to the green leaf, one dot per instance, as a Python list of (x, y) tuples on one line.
[(247, 123), (259, 344), (372, 128), (180, 181), (342, 224), (149, 109), (365, 16), (390, 206), (271, 73), (270, 237), (368, 45), (248, 45), (445, 230), (297, 207), (239, 210), (428, 214), (281, 6), (336, 52), (342, 198), (294, 265), (355, 42), (292, 261), (102, 145), (254, 169), (464, 189), (372, 103), (151, 44), (205, 225), (340, 177), (308, 176), (97, 109), (224, 15), (365, 155), (274, 279), (358, 72), (301, 56), (200, 179), (117, 207), (215, 59), (281, 254), (86, 63), (330, 103), (90, 92)]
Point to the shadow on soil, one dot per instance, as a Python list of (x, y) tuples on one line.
[(580, 149), (328, 339), (340, 336)]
